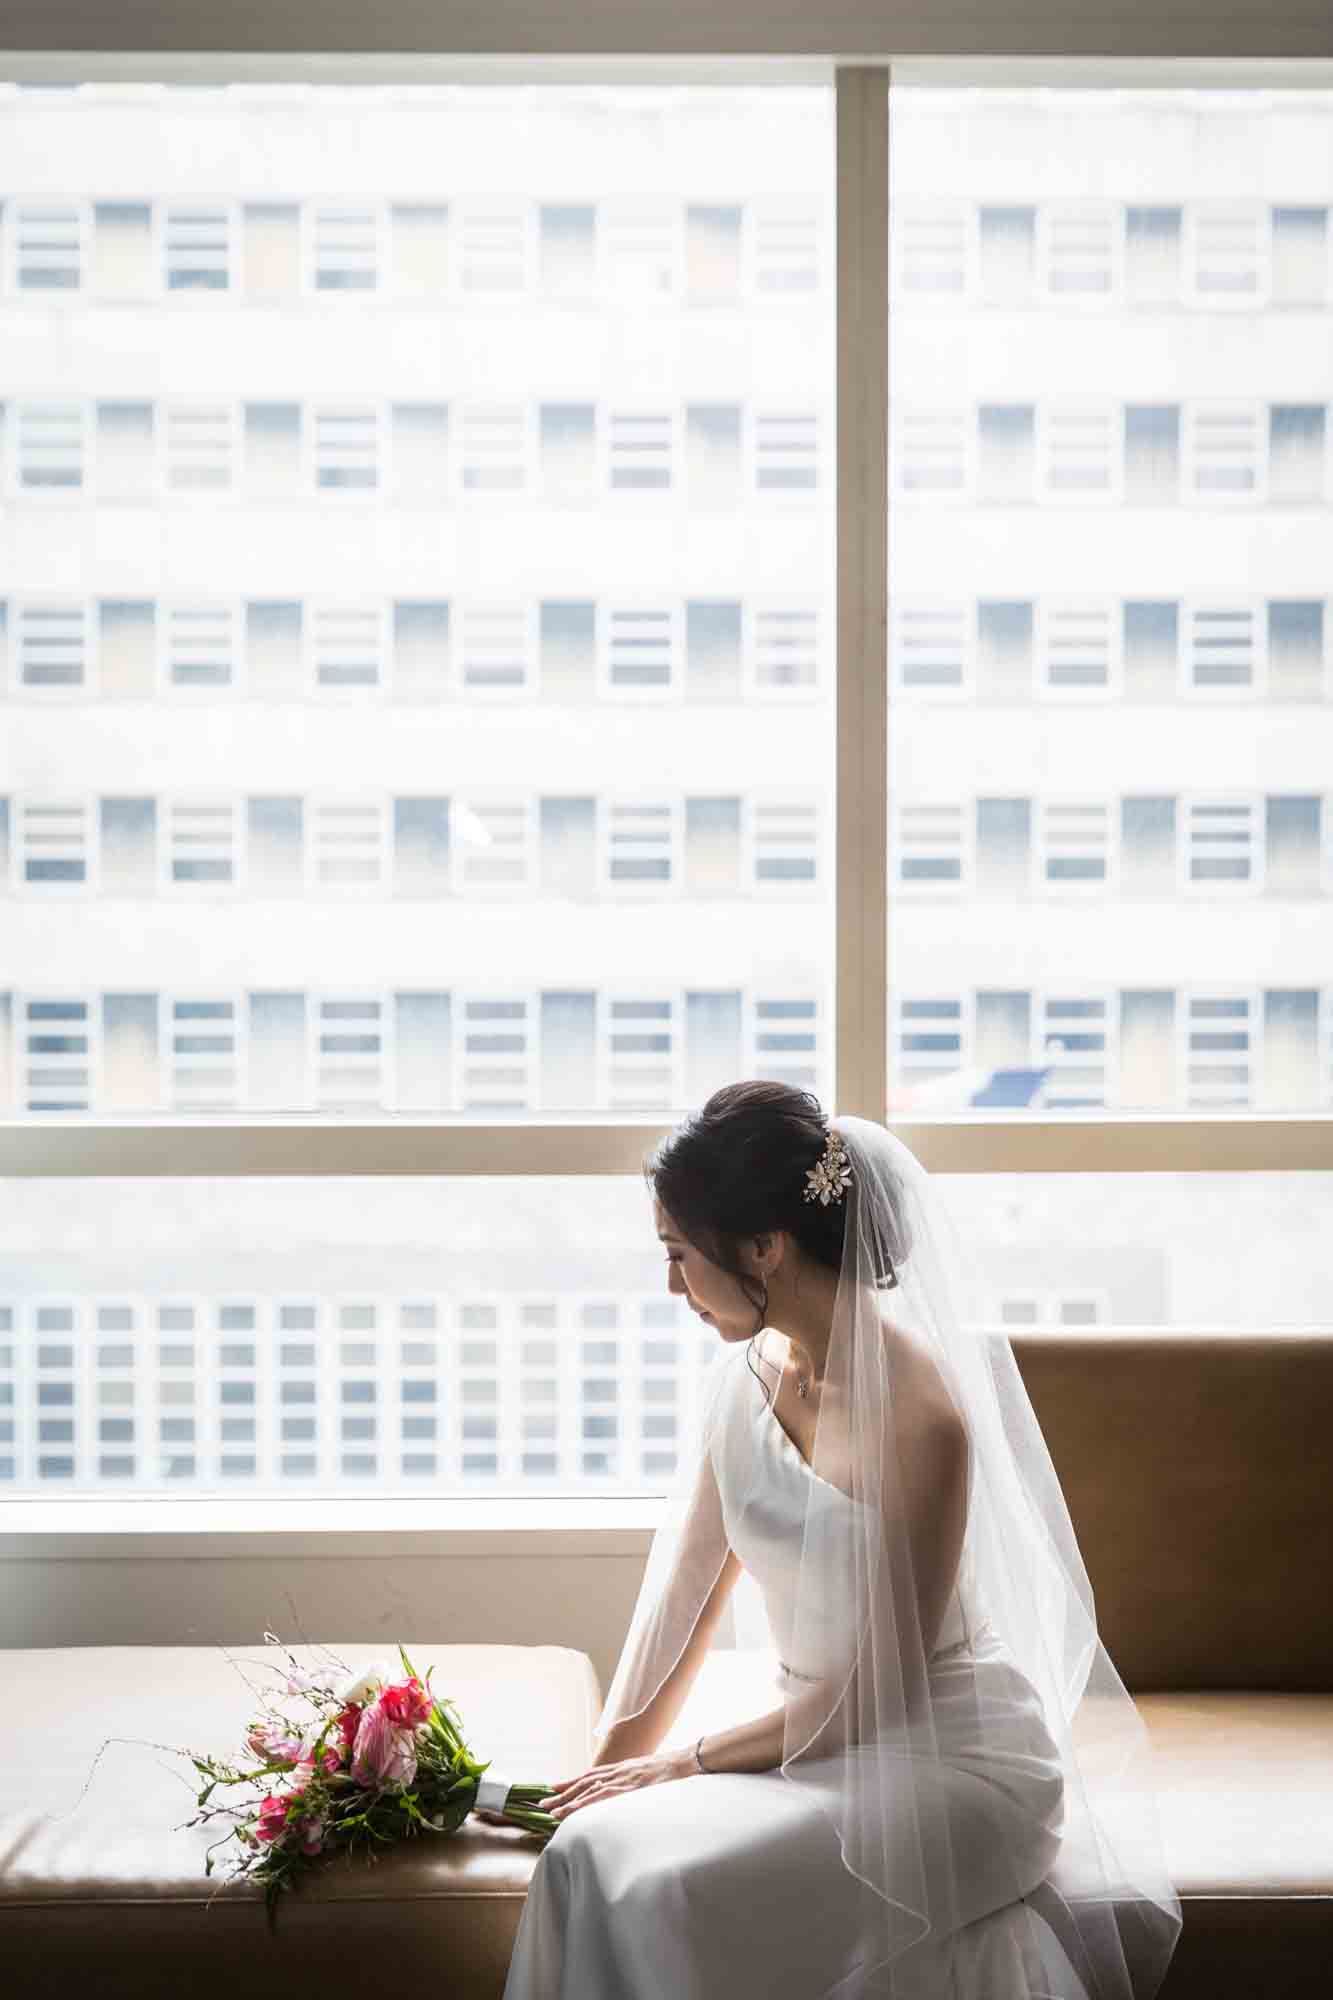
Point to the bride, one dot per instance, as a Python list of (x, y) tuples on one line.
[(943, 1792)]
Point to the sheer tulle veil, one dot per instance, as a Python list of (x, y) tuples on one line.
[(868, 1737)]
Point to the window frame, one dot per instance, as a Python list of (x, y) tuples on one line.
[(766, 48)]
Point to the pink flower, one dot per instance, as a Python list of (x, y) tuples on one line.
[(329, 1758), (270, 1742), (382, 1753), (407, 1704), (348, 1722), (273, 1816)]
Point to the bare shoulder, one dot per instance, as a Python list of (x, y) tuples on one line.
[(921, 1394)]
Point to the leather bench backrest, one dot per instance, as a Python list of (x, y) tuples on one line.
[(1198, 1470)]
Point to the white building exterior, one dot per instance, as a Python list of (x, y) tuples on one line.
[(416, 564)]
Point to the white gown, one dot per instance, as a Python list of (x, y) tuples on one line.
[(728, 1885)]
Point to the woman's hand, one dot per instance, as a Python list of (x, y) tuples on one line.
[(608, 1781)]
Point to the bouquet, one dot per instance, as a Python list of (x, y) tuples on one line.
[(373, 1759)]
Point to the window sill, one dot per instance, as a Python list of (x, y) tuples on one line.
[(45, 1530)]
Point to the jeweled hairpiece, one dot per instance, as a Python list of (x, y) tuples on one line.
[(831, 1175)]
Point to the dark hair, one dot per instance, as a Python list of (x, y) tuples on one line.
[(737, 1168)]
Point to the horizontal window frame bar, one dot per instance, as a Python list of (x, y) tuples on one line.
[(306, 1148), (604, 40), (366, 1528)]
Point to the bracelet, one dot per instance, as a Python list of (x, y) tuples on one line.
[(699, 1762)]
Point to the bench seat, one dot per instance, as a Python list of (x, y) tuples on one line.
[(110, 1899)]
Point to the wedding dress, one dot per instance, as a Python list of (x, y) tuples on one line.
[(728, 1885), (964, 1806)]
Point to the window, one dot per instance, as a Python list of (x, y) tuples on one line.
[(641, 644), (783, 648), (1078, 647), (52, 452), (1008, 253), (1300, 249), (1079, 452), (642, 248), (494, 447), (497, 1055), (206, 1053), (345, 246), (497, 648), (496, 844), (53, 645), (641, 1052), (499, 590), (348, 645), (494, 247), (1223, 845), (201, 844), (49, 242), (1078, 250), (786, 237), (933, 451), (785, 450), (346, 444), (1222, 647), (931, 1047), (1075, 1051), (640, 448), (642, 845), (784, 840), (1109, 734), (1228, 253), (201, 441), (1154, 235), (930, 649), (54, 845), (197, 239), (934, 248), (1217, 1056), (1074, 850), (933, 847), (1223, 451), (348, 850), (201, 645)]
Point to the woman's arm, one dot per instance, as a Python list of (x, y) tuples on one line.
[(639, 1735), (653, 1681)]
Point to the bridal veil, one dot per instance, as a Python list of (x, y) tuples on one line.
[(869, 1736)]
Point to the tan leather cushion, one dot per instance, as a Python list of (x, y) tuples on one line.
[(109, 1898), (1196, 1467), (1243, 1783), (1246, 1790)]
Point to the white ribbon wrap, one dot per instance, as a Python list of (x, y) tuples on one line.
[(492, 1792)]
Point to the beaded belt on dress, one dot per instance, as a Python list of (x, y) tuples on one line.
[(794, 1675)]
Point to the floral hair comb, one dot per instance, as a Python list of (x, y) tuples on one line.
[(831, 1175)]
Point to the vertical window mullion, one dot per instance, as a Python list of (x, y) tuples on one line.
[(861, 916)]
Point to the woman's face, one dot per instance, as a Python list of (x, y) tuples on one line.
[(711, 1292)]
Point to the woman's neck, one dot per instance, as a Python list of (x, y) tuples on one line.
[(804, 1315)]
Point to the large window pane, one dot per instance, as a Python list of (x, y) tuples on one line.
[(1111, 722), (390, 1336), (416, 649)]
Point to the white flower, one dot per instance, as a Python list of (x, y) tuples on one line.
[(831, 1175), (360, 1687)]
